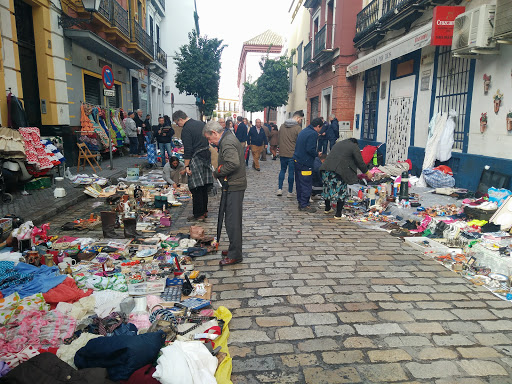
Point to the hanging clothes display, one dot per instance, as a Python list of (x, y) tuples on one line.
[(85, 121), (117, 122), (11, 144)]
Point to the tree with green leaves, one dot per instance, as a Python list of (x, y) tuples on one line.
[(273, 84), (198, 70), (250, 99)]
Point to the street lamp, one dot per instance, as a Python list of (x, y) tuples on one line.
[(91, 6)]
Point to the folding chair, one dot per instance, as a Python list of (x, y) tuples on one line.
[(85, 154)]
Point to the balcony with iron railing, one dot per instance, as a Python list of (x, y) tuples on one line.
[(381, 16), (308, 53), (115, 15), (161, 56), (121, 18), (368, 17), (323, 43), (392, 5), (142, 39)]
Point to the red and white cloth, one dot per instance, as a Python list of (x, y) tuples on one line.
[(34, 149)]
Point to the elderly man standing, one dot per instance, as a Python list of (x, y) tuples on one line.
[(257, 139), (222, 122), (231, 172), (131, 131), (197, 159)]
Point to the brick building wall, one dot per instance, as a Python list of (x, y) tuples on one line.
[(343, 93)]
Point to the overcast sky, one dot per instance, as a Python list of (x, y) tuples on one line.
[(236, 21)]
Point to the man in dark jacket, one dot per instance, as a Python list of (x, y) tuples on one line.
[(323, 137), (304, 156), (241, 131), (163, 134), (197, 159), (257, 139), (231, 172), (334, 131)]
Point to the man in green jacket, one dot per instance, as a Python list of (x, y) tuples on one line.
[(231, 171)]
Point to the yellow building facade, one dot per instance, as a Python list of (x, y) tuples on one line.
[(17, 73)]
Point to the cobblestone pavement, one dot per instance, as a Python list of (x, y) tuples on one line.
[(41, 205), (324, 301)]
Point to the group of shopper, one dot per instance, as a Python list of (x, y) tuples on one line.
[(336, 170), (137, 130), (301, 155)]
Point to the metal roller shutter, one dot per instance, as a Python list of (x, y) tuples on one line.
[(92, 89)]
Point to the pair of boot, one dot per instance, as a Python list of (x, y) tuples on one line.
[(108, 225)]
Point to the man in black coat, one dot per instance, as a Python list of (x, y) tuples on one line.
[(334, 131), (241, 131), (197, 159)]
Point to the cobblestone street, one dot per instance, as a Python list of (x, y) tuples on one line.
[(318, 300), (324, 301)]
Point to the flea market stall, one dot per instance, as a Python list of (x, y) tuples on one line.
[(129, 306)]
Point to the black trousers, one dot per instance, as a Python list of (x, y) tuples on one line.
[(233, 220), (199, 201)]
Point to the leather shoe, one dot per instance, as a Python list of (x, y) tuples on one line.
[(227, 261), (224, 253)]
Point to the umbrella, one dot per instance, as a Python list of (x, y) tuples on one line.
[(222, 207)]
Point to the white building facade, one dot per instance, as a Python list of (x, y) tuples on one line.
[(403, 81), (174, 29), (297, 39), (249, 69)]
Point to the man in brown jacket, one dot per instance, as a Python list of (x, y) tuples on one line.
[(288, 133)]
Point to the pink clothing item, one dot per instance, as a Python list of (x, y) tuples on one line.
[(33, 330), (34, 149), (140, 320), (424, 224)]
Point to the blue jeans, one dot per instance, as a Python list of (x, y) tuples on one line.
[(303, 183), (134, 145), (286, 163), (165, 147)]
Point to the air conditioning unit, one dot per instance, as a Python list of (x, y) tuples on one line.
[(503, 21), (473, 31)]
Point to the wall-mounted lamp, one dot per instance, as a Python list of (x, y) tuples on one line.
[(91, 6)]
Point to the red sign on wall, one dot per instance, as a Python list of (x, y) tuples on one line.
[(442, 24)]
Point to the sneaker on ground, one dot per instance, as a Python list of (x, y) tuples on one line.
[(290, 195), (279, 192), (309, 209), (327, 212)]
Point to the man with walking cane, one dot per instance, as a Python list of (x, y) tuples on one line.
[(231, 173)]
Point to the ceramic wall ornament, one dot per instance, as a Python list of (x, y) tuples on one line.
[(483, 122), (487, 83), (497, 101), (509, 121)]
